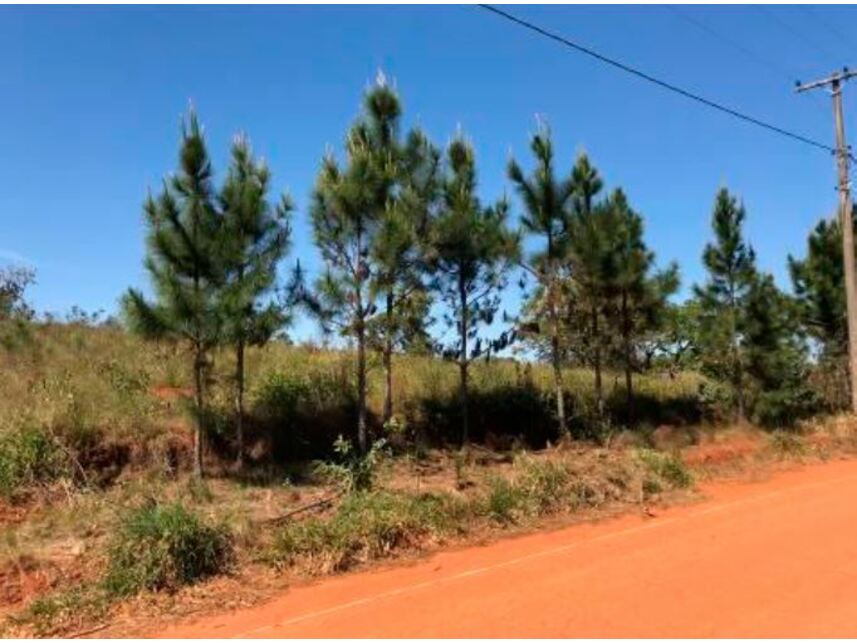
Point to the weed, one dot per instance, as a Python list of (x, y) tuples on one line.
[(668, 468), (61, 611), (651, 487), (29, 456), (353, 471), (786, 443), (545, 484), (162, 547), (459, 460), (198, 491), (367, 526), (505, 500)]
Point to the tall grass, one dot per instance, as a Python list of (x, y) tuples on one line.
[(92, 389), (163, 547)]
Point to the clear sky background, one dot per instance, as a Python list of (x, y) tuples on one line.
[(91, 98)]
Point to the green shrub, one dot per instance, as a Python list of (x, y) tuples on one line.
[(353, 471), (505, 500), (786, 443), (651, 487), (29, 456), (303, 410), (368, 525), (162, 547), (785, 406), (53, 614), (546, 486), (668, 468), (715, 400)]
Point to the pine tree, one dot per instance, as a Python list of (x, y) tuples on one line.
[(348, 207), (184, 263), (471, 250), (819, 287), (588, 256), (776, 356), (255, 238), (640, 293), (397, 249), (546, 201), (731, 265)]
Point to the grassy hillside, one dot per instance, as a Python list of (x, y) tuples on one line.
[(95, 445), (110, 395)]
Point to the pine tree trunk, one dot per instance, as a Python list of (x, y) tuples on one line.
[(462, 366), (388, 363), (555, 350), (599, 388), (558, 384), (362, 441), (626, 336), (737, 369), (739, 391), (239, 404), (464, 399), (199, 399), (362, 438)]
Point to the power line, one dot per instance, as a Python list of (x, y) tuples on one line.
[(656, 81), (699, 24), (789, 73), (795, 33), (828, 25)]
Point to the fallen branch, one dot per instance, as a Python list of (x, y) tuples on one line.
[(91, 630), (316, 504)]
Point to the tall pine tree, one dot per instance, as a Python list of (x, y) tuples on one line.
[(256, 237), (411, 167), (349, 203), (546, 199), (184, 262), (776, 356), (731, 265), (641, 294), (588, 260), (471, 251), (819, 287)]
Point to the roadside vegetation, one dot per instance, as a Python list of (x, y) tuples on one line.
[(187, 443)]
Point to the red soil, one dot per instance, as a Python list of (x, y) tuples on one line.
[(770, 559), (720, 452), (170, 393)]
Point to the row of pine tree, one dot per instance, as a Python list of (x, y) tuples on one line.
[(402, 232)]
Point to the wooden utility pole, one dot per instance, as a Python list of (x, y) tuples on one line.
[(843, 156)]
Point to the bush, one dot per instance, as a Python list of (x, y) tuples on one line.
[(668, 468), (29, 456), (368, 525), (715, 401), (546, 485), (353, 471), (163, 547), (785, 443), (54, 615), (302, 412), (505, 500), (784, 407)]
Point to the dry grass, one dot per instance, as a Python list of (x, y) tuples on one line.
[(94, 391), (419, 505)]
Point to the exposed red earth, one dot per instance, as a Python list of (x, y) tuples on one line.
[(769, 559)]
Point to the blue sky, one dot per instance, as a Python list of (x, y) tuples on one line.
[(92, 98)]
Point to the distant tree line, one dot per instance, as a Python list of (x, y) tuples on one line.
[(402, 231)]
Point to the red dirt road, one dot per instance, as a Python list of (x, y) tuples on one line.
[(770, 559)]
